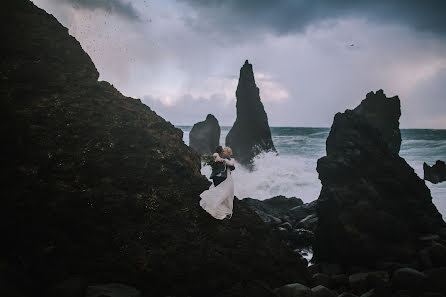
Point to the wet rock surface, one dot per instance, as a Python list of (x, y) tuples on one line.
[(204, 136), (96, 184), (250, 135)]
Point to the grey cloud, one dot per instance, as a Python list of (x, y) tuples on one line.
[(118, 7), (426, 105), (284, 16), (188, 110)]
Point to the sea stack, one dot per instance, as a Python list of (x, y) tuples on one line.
[(372, 207), (250, 134), (435, 174), (205, 136)]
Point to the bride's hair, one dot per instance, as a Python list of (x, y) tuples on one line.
[(228, 150)]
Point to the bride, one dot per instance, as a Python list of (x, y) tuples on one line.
[(218, 201)]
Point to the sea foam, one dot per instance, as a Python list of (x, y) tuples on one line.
[(273, 175)]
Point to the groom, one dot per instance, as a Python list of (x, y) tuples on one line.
[(219, 172)]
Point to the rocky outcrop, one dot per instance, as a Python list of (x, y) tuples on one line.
[(293, 220), (384, 279), (372, 206), (383, 114), (274, 209), (96, 185), (280, 209), (250, 134), (204, 136), (435, 174)]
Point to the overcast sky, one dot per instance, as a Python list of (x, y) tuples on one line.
[(311, 58)]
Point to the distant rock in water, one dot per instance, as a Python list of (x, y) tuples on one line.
[(204, 136), (372, 206), (250, 134), (436, 173), (99, 189)]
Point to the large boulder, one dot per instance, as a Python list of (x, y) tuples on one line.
[(250, 135), (293, 290), (372, 206), (275, 210), (204, 136), (436, 173), (294, 220), (97, 185)]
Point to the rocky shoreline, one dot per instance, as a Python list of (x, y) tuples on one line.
[(423, 276), (100, 195), (376, 231)]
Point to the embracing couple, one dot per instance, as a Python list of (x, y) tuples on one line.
[(218, 200)]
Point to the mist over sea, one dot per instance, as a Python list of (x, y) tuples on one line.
[(293, 172)]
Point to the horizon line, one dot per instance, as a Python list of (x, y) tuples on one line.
[(319, 127)]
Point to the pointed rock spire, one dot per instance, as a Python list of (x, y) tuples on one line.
[(250, 134)]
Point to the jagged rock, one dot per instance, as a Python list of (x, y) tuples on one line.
[(250, 135), (321, 291), (314, 268), (436, 173), (408, 279), (282, 214), (72, 287), (321, 279), (347, 294), (304, 211), (435, 280), (372, 206), (330, 268), (97, 184), (278, 207), (432, 294), (309, 222), (364, 281), (112, 290), (370, 293), (383, 114), (433, 256), (204, 136), (293, 290), (340, 280)]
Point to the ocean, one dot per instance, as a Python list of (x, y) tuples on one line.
[(293, 172)]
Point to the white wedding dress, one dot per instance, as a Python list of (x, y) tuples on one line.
[(218, 201)]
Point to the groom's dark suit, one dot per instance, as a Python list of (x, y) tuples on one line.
[(219, 172)]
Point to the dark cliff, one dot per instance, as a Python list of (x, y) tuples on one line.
[(250, 134), (372, 206), (97, 185), (204, 136)]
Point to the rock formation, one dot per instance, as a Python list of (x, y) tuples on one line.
[(250, 134), (436, 173), (372, 206), (294, 221), (204, 136), (98, 188)]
